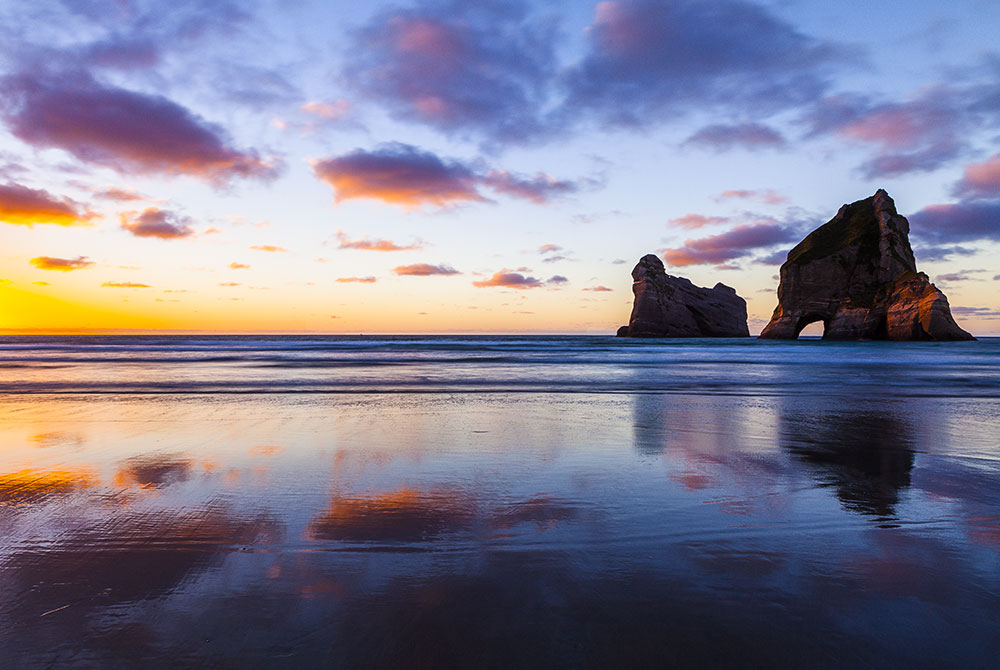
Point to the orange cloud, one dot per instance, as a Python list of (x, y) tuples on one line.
[(508, 279), (230, 283), (268, 247), (359, 280), (25, 206), (124, 284), (425, 270), (239, 266), (60, 264), (697, 220)]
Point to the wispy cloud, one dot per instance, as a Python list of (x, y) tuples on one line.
[(690, 221), (367, 244), (124, 284), (356, 280), (424, 270), (238, 266), (732, 244), (60, 264), (271, 248), (980, 180), (766, 196), (722, 137)]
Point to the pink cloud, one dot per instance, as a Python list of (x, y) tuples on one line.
[(599, 289), (697, 221), (766, 196), (981, 180), (508, 279), (356, 280)]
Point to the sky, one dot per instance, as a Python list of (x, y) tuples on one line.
[(448, 166)]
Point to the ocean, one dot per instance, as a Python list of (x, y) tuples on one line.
[(498, 501)]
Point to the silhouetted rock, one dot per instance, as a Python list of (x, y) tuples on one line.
[(668, 306), (858, 276)]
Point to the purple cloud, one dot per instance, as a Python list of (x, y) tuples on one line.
[(649, 58), (539, 189), (720, 137), (401, 174), (60, 264), (942, 253), (735, 243), (457, 67), (344, 242), (159, 223), (127, 131), (958, 222), (508, 279)]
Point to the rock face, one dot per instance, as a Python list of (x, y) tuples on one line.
[(858, 276), (667, 306)]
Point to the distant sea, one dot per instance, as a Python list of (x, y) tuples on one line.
[(498, 501)]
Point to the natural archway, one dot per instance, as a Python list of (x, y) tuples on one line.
[(813, 324)]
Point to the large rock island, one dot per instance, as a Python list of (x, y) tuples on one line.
[(858, 276), (667, 306)]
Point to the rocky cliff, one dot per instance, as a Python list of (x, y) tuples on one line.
[(667, 306), (858, 276)]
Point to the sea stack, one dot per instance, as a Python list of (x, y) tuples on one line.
[(858, 276), (668, 306)]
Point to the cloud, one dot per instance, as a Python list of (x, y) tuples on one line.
[(918, 135), (721, 137), (599, 289), (980, 312), (155, 222), (25, 206), (735, 243), (119, 195), (424, 270), (539, 189), (942, 253), (556, 258), (343, 242), (557, 279), (697, 220), (961, 275), (647, 59), (229, 284), (980, 180), (330, 111), (549, 248), (238, 266), (462, 68), (269, 248), (958, 222), (508, 279), (766, 196), (127, 131), (60, 264), (124, 284), (357, 280), (401, 174), (776, 258)]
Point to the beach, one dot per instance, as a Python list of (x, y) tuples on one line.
[(463, 501)]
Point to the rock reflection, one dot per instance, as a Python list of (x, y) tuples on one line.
[(866, 456), (155, 471)]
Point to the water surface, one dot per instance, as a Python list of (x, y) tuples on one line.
[(498, 502)]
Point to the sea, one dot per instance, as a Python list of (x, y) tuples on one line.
[(498, 502)]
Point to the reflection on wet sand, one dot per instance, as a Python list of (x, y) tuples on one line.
[(865, 455), (26, 487), (153, 471)]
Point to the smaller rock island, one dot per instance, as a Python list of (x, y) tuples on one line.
[(668, 306), (857, 274)]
